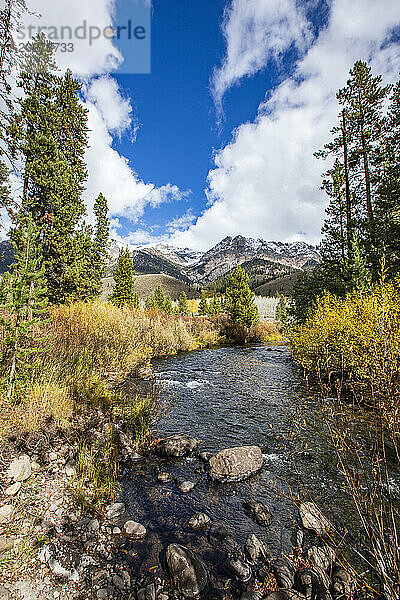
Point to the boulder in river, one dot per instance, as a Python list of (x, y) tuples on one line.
[(239, 569), (176, 446), (185, 486), (284, 570), (343, 583), (313, 583), (234, 464), (188, 572), (321, 557), (135, 530), (255, 550), (258, 512), (312, 518)]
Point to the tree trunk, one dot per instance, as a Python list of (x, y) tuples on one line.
[(347, 184)]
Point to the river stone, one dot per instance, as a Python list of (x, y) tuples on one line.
[(221, 536), (312, 518), (255, 550), (250, 595), (258, 512), (113, 511), (199, 521), (26, 591), (205, 456), (343, 583), (284, 570), (13, 489), (6, 513), (4, 593), (234, 464), (5, 543), (176, 446), (185, 486), (188, 572), (93, 526), (20, 469), (239, 569), (321, 557), (285, 595), (313, 583), (135, 530), (164, 477), (150, 593)]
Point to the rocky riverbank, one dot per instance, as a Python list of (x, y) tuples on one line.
[(51, 548)]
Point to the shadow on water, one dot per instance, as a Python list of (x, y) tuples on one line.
[(232, 397)]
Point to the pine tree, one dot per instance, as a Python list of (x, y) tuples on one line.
[(168, 306), (124, 288), (99, 247), (203, 305), (25, 302), (214, 307), (50, 134), (183, 308), (158, 300), (242, 309), (363, 99)]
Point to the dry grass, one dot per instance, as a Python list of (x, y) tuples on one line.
[(267, 331)]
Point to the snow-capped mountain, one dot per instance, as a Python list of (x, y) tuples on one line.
[(261, 259)]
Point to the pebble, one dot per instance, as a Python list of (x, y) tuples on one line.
[(13, 489), (20, 469), (4, 593), (118, 582), (6, 513), (135, 530), (115, 510), (93, 526), (5, 543), (185, 486), (199, 521), (164, 478), (116, 531)]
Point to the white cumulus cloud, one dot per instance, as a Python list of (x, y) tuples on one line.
[(266, 182)]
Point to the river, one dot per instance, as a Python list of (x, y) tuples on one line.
[(231, 397)]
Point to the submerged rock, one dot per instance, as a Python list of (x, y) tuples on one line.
[(199, 521), (258, 512), (239, 569), (221, 536), (312, 518), (255, 550), (176, 446), (188, 572), (234, 464), (313, 583)]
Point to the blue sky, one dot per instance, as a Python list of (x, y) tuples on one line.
[(219, 138)]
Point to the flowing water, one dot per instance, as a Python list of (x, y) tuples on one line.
[(231, 397)]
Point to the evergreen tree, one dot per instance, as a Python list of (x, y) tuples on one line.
[(158, 300), (135, 301), (242, 309), (363, 99), (203, 305), (99, 247), (183, 307), (168, 306), (214, 307), (25, 302), (124, 288), (50, 133)]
